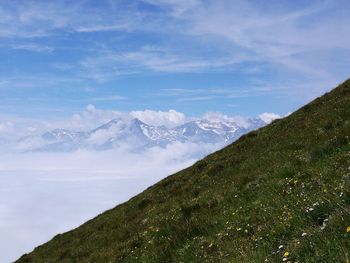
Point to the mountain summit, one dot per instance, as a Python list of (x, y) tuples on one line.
[(278, 194)]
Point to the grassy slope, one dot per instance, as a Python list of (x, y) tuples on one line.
[(238, 204)]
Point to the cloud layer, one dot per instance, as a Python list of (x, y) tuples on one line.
[(46, 194)]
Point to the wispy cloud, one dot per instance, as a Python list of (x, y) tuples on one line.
[(202, 94), (176, 7), (32, 48), (155, 59), (197, 98), (109, 98), (292, 40), (280, 36), (30, 19)]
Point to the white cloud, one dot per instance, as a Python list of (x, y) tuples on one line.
[(88, 119), (268, 117), (5, 126), (12, 127), (91, 108), (158, 118), (218, 116)]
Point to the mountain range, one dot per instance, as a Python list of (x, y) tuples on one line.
[(119, 132)]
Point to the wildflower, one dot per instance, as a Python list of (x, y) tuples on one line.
[(210, 245), (280, 247), (309, 209), (304, 234), (239, 229), (348, 229), (286, 254)]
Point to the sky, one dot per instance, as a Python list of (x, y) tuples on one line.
[(194, 56), (78, 64)]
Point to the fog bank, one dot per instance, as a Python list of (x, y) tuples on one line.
[(43, 194)]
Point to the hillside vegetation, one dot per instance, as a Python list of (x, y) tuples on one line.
[(281, 193)]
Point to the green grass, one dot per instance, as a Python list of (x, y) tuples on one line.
[(240, 204)]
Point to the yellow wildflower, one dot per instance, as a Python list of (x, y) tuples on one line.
[(286, 254), (348, 229)]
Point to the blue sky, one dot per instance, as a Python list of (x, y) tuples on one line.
[(194, 56)]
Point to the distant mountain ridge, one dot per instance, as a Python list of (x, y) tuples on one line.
[(139, 134)]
